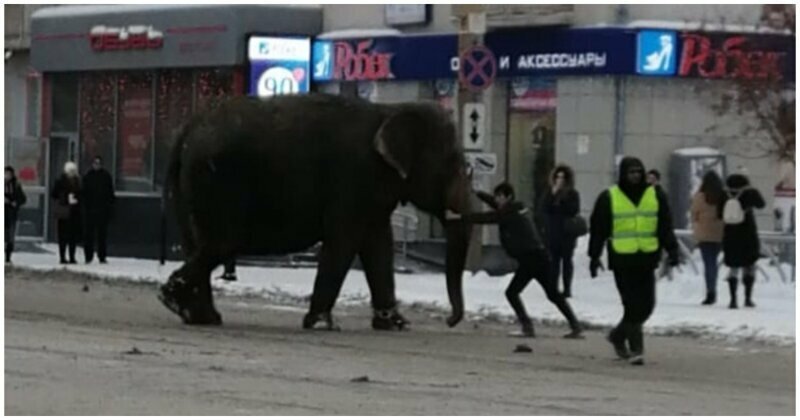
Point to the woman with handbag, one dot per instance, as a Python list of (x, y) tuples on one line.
[(558, 211), (66, 195), (707, 228)]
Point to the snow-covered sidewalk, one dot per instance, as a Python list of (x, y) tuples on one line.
[(595, 300)]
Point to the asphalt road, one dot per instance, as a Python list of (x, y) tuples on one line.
[(79, 347)]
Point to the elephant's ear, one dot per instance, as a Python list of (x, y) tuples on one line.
[(395, 141)]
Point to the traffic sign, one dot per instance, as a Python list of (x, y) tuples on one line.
[(477, 68), (481, 163), (473, 125)]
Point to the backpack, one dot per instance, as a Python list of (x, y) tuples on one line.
[(732, 213)]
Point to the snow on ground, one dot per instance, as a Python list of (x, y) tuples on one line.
[(595, 301)]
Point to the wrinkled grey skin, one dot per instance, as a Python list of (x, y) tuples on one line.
[(278, 176)]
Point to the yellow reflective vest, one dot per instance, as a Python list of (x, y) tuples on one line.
[(635, 229)]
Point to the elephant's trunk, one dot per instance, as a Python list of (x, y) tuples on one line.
[(458, 235)]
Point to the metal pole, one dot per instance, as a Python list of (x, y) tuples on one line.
[(619, 123)]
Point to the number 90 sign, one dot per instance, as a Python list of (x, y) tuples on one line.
[(280, 81)]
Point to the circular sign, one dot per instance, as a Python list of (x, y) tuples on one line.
[(444, 87), (520, 86), (277, 81), (477, 68)]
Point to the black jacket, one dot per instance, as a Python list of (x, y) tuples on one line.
[(15, 198), (518, 235), (98, 192), (601, 224), (554, 211), (60, 194), (740, 242)]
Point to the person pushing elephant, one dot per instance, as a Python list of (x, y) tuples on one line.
[(521, 241)]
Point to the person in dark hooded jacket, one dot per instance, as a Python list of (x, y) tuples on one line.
[(521, 241), (15, 198), (740, 241), (98, 202), (634, 219), (560, 203)]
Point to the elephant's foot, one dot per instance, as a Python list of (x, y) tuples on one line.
[(182, 300), (389, 320), (310, 321)]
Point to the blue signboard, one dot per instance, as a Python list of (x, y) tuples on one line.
[(542, 52), (278, 66), (656, 53), (384, 58)]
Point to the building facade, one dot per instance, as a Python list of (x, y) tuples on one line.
[(579, 84)]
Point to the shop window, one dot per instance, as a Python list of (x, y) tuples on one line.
[(134, 165), (212, 86), (27, 155), (64, 100), (33, 95), (173, 109), (97, 117)]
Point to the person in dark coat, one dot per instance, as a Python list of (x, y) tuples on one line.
[(98, 204), (633, 219), (520, 240), (15, 198), (560, 203), (740, 242), (67, 198)]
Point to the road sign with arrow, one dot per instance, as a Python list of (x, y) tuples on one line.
[(473, 125)]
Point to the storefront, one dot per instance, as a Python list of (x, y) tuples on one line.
[(119, 81), (579, 96)]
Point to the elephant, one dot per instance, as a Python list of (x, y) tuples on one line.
[(277, 176)]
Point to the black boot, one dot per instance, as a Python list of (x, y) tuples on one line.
[(748, 281), (636, 340), (732, 284), (617, 339), (711, 298)]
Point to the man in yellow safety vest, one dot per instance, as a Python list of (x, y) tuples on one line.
[(633, 219)]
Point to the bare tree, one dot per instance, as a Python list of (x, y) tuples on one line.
[(765, 103)]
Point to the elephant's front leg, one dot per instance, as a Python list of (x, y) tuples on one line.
[(377, 256), (335, 259)]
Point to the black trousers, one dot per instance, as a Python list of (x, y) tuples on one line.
[(68, 234), (230, 266), (96, 234), (637, 288), (10, 234), (562, 257), (537, 266)]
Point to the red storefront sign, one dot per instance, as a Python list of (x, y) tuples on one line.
[(360, 63), (729, 56), (136, 37)]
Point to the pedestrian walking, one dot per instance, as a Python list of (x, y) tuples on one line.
[(707, 227), (521, 241), (558, 209), (98, 201), (66, 195), (15, 198), (740, 241), (633, 219)]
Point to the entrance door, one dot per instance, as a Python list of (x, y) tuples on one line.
[(531, 154), (63, 148)]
